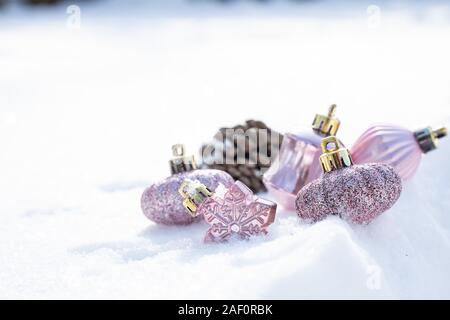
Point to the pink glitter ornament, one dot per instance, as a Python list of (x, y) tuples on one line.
[(231, 212), (400, 148), (162, 203), (297, 163), (357, 193)]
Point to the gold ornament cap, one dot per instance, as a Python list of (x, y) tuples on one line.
[(427, 138), (193, 194), (334, 156), (180, 162), (327, 125)]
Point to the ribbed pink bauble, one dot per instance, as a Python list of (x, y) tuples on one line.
[(357, 193), (398, 147)]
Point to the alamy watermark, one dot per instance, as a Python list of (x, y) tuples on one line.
[(239, 146), (373, 16), (374, 275), (73, 21)]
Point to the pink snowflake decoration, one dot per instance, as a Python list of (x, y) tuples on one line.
[(238, 213)]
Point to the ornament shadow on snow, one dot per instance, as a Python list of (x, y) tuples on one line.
[(231, 212)]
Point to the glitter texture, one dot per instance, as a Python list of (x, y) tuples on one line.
[(239, 213), (162, 203), (391, 145), (359, 193)]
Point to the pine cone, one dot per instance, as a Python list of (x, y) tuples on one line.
[(244, 151)]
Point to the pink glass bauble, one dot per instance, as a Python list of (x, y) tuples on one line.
[(162, 203), (296, 165), (392, 145), (358, 193), (298, 160)]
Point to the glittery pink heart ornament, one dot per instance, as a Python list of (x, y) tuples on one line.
[(162, 203), (231, 213), (357, 193)]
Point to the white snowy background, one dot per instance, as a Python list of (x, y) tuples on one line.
[(87, 118)]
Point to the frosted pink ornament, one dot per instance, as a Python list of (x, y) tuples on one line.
[(231, 212), (357, 193), (298, 160), (400, 148), (162, 203)]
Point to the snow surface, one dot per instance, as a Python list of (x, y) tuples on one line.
[(87, 118)]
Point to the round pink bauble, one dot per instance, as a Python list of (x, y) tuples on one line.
[(162, 203)]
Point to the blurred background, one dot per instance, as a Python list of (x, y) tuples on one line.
[(101, 89), (96, 92)]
